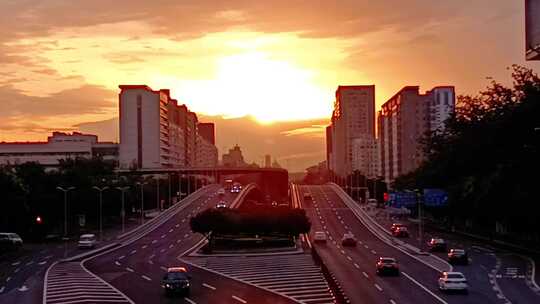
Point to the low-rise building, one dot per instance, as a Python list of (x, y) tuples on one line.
[(58, 146)]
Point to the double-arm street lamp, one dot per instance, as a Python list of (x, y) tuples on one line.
[(65, 190), (123, 211), (100, 190)]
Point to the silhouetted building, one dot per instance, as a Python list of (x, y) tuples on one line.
[(403, 120), (233, 158), (267, 161), (58, 146), (353, 117), (207, 153)]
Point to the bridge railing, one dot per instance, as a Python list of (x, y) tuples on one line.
[(242, 195)]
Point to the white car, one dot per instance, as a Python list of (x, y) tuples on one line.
[(87, 241), (453, 281), (319, 237)]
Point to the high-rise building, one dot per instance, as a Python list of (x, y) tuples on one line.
[(329, 154), (207, 131), (234, 158), (403, 120), (207, 153), (366, 155), (155, 132), (353, 117), (267, 161)]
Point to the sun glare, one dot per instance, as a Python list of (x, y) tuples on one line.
[(253, 84)]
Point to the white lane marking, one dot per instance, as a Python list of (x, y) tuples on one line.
[(151, 256), (154, 241), (342, 251), (151, 262), (239, 299), (146, 278), (15, 263), (171, 246), (162, 250), (163, 236), (129, 269), (190, 301), (177, 225), (2, 289), (133, 251), (117, 263), (163, 268), (47, 257), (365, 274), (121, 257), (356, 265), (171, 230), (349, 258), (144, 246), (23, 288), (178, 241), (366, 246), (392, 301), (373, 251), (424, 287), (378, 287), (209, 286), (42, 263), (8, 279), (186, 235), (29, 263)]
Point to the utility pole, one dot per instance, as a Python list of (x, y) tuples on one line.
[(100, 190)]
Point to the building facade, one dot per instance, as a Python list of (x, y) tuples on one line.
[(403, 120), (155, 132), (366, 156), (207, 153), (353, 117), (58, 146)]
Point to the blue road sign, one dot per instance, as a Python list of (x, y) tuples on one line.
[(402, 199), (435, 197)]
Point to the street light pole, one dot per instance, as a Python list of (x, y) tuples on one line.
[(142, 201), (123, 211), (100, 190), (65, 190)]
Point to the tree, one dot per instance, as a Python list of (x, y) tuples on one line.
[(487, 156)]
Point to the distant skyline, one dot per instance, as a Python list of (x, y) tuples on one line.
[(61, 61)]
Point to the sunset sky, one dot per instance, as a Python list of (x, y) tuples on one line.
[(61, 61)]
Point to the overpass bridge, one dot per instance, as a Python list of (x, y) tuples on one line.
[(271, 181)]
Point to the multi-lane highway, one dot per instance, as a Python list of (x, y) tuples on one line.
[(136, 269), (355, 266)]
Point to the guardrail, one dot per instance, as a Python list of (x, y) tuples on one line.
[(335, 288)]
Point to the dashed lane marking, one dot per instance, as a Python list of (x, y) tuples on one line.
[(378, 287), (129, 269), (365, 274), (146, 278), (239, 299), (208, 286)]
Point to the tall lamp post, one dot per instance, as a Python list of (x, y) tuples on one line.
[(65, 190), (123, 211), (100, 190)]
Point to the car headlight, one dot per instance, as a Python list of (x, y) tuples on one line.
[(167, 285)]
